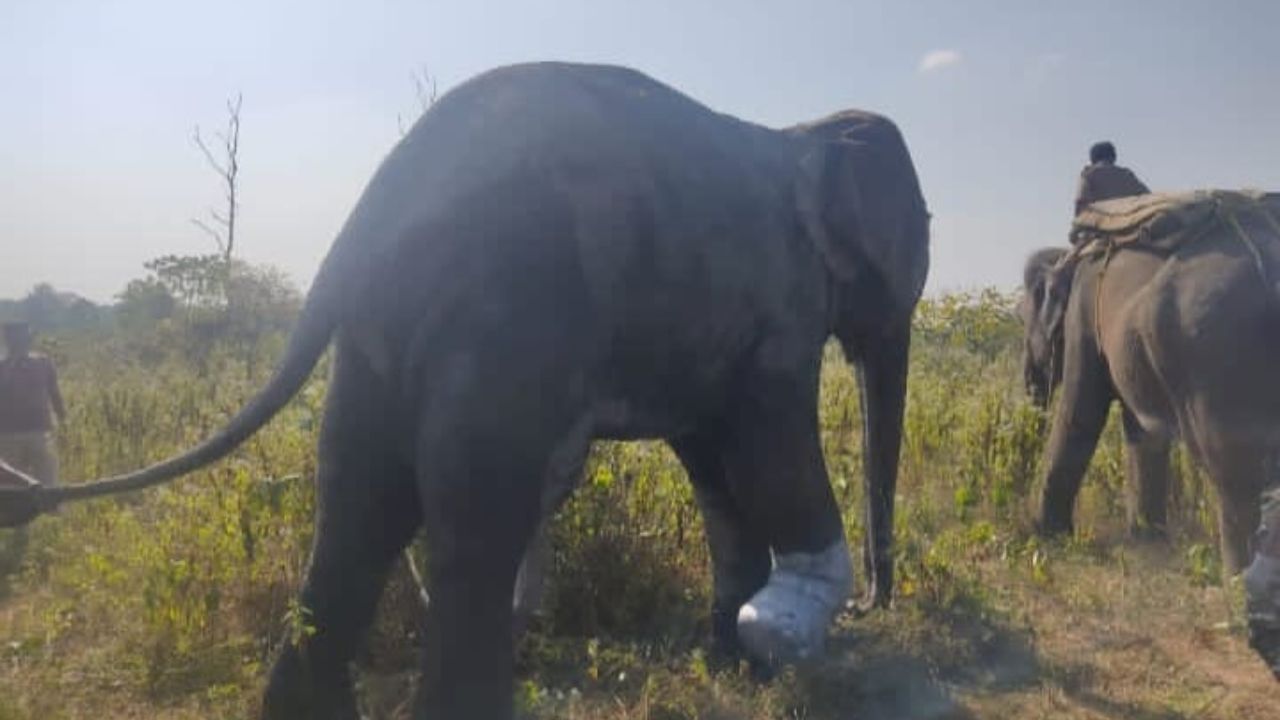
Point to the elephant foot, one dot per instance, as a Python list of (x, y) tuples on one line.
[(725, 648), (727, 652), (786, 622), (1051, 527), (1262, 598), (295, 692)]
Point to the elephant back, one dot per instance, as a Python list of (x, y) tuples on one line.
[(1166, 221)]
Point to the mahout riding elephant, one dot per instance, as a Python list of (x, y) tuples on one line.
[(557, 253), (1186, 336)]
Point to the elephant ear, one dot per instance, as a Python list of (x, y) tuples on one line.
[(834, 227), (859, 201)]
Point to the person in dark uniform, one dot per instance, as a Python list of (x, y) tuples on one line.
[(1103, 179), (29, 401)]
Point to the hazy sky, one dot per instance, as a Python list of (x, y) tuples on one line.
[(999, 102)]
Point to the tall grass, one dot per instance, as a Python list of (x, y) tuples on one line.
[(179, 597)]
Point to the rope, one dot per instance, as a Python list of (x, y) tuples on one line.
[(1271, 219), (411, 563), (1248, 242), (1097, 297), (1275, 227)]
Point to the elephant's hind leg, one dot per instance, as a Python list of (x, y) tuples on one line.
[(1240, 474), (1148, 479), (486, 440), (563, 476), (1081, 414), (739, 555), (367, 511)]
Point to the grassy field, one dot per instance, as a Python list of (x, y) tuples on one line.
[(171, 604)]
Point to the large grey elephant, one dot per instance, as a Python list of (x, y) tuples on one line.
[(557, 253), (1186, 336)]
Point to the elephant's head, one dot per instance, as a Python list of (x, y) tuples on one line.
[(1042, 307), (858, 200)]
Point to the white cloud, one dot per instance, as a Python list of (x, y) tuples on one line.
[(935, 60)]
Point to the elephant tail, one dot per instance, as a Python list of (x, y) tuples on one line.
[(307, 343)]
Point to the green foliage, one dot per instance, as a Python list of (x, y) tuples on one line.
[(1204, 564), (194, 281), (634, 522), (145, 301), (983, 323)]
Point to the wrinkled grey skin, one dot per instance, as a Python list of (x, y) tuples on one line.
[(1188, 344), (1262, 604), (557, 253), (1262, 578)]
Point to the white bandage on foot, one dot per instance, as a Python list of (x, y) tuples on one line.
[(787, 620)]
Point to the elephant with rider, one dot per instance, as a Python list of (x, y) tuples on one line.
[(1182, 329)]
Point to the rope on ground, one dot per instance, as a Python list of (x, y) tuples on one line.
[(1097, 298), (1248, 242), (418, 582)]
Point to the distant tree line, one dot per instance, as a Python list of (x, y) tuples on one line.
[(49, 309), (182, 295)]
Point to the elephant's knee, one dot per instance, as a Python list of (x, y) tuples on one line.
[(1057, 506)]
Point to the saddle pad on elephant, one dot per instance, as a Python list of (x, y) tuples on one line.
[(1161, 219)]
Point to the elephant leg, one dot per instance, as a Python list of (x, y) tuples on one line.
[(1240, 475), (1262, 578), (562, 478), (367, 511), (1148, 479), (1081, 414), (739, 556), (773, 459), (486, 442)]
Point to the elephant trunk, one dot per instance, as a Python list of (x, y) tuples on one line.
[(1047, 280), (883, 379), (1035, 378)]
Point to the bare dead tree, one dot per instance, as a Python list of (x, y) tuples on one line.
[(224, 159), (424, 90)]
